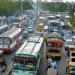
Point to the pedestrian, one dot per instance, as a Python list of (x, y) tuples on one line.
[(49, 60), (54, 65)]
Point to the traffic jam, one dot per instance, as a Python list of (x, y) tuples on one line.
[(42, 46)]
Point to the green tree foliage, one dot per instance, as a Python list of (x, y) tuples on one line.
[(27, 5), (72, 21), (9, 7), (54, 6), (58, 6)]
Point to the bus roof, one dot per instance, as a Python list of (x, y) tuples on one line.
[(3, 26), (33, 38), (11, 33), (30, 48), (41, 17), (20, 17)]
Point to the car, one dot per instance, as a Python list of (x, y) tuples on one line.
[(67, 36), (31, 25), (30, 29), (25, 34), (68, 43)]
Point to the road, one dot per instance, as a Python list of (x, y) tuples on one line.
[(42, 70), (61, 63)]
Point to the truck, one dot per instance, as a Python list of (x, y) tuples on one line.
[(70, 66), (39, 27), (54, 45), (45, 32), (40, 23)]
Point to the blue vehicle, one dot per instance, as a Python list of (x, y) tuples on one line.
[(25, 34), (54, 26)]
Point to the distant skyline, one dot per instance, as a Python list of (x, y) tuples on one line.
[(63, 0)]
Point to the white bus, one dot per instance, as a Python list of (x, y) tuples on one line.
[(27, 58), (10, 39), (3, 28), (21, 21), (45, 32), (3, 25)]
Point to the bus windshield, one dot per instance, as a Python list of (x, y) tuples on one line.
[(5, 41), (16, 21), (25, 62), (53, 44)]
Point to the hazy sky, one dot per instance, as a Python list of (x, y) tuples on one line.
[(63, 0)]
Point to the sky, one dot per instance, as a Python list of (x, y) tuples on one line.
[(63, 0)]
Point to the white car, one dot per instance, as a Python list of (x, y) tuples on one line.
[(68, 43)]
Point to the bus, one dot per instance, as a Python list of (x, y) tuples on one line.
[(40, 23), (2, 20), (10, 39), (21, 21), (3, 25), (27, 59), (45, 32), (3, 28), (54, 46)]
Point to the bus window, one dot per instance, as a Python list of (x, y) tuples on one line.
[(60, 45), (73, 59), (30, 62), (6, 41), (1, 41), (16, 21), (73, 54), (18, 62), (51, 44)]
